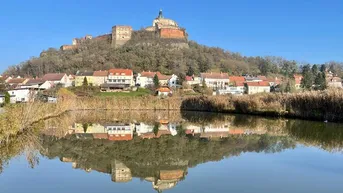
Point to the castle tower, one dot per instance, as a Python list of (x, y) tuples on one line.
[(120, 35)]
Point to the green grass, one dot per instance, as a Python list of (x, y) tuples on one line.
[(140, 92)]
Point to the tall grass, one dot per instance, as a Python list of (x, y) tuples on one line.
[(316, 105)]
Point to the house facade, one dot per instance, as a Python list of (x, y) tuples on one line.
[(257, 87), (298, 79), (22, 95), (80, 77), (100, 77), (118, 79), (334, 82), (58, 78), (120, 131), (146, 79), (215, 80)]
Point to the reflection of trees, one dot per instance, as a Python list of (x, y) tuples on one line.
[(26, 143), (328, 136), (146, 157)]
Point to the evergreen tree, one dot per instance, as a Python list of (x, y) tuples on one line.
[(7, 98), (156, 81), (315, 70), (320, 81), (181, 78), (288, 87), (307, 80), (190, 71), (323, 68), (85, 82)]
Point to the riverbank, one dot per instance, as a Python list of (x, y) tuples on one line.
[(315, 105)]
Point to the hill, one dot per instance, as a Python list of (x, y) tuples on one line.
[(147, 52)]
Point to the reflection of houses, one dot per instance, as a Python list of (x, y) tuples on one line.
[(192, 130), (168, 179), (120, 172), (143, 128), (120, 131), (214, 131)]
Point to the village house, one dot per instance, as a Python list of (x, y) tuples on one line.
[(99, 77), (146, 79), (235, 88), (193, 80), (215, 80), (2, 98), (58, 79), (16, 82), (119, 131), (38, 84), (334, 82), (80, 78), (22, 95), (215, 131), (5, 78), (163, 91), (143, 128), (118, 79), (298, 78), (172, 81), (257, 87), (252, 79)]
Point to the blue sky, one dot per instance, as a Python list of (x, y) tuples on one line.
[(303, 30)]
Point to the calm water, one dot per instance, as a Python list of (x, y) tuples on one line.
[(173, 152)]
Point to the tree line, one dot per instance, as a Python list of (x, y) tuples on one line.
[(146, 52)]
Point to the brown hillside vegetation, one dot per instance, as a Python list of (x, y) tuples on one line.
[(146, 52)]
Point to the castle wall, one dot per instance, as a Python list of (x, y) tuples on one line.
[(120, 35), (172, 33), (68, 47)]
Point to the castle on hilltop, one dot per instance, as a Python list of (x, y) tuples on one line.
[(162, 27)]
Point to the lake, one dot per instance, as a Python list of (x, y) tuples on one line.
[(146, 151)]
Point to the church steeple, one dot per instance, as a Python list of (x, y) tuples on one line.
[(160, 15)]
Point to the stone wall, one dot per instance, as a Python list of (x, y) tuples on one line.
[(172, 33), (120, 35), (68, 47)]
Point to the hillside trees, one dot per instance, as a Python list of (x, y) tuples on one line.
[(146, 52)]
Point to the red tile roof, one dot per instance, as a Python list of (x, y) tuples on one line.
[(239, 83), (215, 75), (53, 76), (163, 89), (35, 81), (16, 80), (261, 83), (100, 73), (171, 174), (189, 78), (119, 72), (236, 78)]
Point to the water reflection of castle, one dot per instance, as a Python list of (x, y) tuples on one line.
[(118, 131), (120, 173)]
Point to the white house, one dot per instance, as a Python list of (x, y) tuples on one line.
[(163, 91), (257, 87), (192, 80), (2, 98), (146, 79), (237, 88), (38, 84), (215, 80), (58, 78), (118, 79), (22, 95), (120, 131), (172, 82), (215, 131), (143, 128)]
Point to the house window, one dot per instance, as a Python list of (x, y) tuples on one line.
[(123, 80)]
